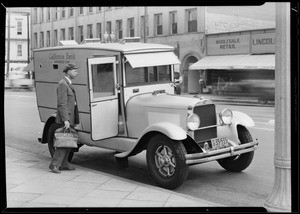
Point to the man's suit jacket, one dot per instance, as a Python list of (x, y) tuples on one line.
[(66, 99)]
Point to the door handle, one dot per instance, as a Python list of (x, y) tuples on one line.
[(93, 105)]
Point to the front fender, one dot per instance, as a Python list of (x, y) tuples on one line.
[(230, 131), (169, 129), (242, 119)]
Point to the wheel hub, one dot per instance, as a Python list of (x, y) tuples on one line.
[(165, 161)]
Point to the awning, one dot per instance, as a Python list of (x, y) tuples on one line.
[(217, 62), (262, 61), (29, 67), (229, 62), (152, 59)]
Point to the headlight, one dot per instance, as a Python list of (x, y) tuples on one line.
[(226, 116), (193, 122)]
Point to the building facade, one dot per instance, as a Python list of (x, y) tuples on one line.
[(180, 27), (17, 39)]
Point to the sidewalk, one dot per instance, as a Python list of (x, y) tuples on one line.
[(29, 183)]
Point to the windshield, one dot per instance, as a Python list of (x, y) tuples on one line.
[(147, 75)]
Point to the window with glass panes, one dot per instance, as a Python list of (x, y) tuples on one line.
[(192, 20), (173, 25), (55, 13), (48, 39), (158, 24), (19, 28), (131, 27), (89, 31), (55, 38), (80, 33), (35, 15), (41, 39), (62, 34), (19, 50), (35, 40), (98, 30), (90, 9), (48, 14), (80, 10), (119, 29), (71, 11), (63, 12), (143, 26), (71, 33), (108, 27), (41, 14)]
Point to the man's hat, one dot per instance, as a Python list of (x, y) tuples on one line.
[(70, 66)]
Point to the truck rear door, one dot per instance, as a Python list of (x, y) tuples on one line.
[(103, 97)]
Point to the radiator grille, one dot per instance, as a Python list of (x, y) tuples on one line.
[(207, 114)]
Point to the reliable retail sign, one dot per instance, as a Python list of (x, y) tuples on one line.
[(241, 44)]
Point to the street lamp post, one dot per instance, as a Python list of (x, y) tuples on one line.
[(280, 198)]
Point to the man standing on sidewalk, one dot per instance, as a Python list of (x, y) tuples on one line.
[(67, 115)]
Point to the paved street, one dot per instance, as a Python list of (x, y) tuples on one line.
[(205, 181)]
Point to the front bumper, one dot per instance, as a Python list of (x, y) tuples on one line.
[(196, 158)]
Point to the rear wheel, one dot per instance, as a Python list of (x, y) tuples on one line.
[(166, 161), (50, 140), (239, 162)]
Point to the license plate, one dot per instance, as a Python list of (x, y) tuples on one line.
[(219, 143)]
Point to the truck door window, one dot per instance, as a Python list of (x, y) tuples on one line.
[(103, 80), (147, 75)]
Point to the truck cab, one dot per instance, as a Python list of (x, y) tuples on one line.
[(126, 103)]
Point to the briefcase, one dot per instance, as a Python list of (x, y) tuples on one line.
[(67, 138)]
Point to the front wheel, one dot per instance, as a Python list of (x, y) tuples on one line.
[(50, 140), (166, 161), (239, 162)]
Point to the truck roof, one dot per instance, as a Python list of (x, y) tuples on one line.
[(127, 48)]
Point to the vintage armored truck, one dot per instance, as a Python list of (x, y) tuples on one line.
[(126, 103)]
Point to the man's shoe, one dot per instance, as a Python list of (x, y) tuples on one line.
[(67, 168), (54, 169)]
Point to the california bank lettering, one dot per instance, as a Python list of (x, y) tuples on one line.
[(55, 56)]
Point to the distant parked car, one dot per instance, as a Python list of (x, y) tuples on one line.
[(263, 89)]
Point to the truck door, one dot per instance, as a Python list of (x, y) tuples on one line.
[(103, 97)]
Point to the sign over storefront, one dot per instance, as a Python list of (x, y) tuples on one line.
[(251, 43), (223, 45), (263, 43)]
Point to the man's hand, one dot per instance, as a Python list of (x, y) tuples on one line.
[(67, 124)]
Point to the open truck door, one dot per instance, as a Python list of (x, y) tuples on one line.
[(103, 97)]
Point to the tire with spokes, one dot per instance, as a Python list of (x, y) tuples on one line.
[(166, 161), (50, 140)]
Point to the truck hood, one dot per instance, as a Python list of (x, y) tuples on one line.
[(163, 101)]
